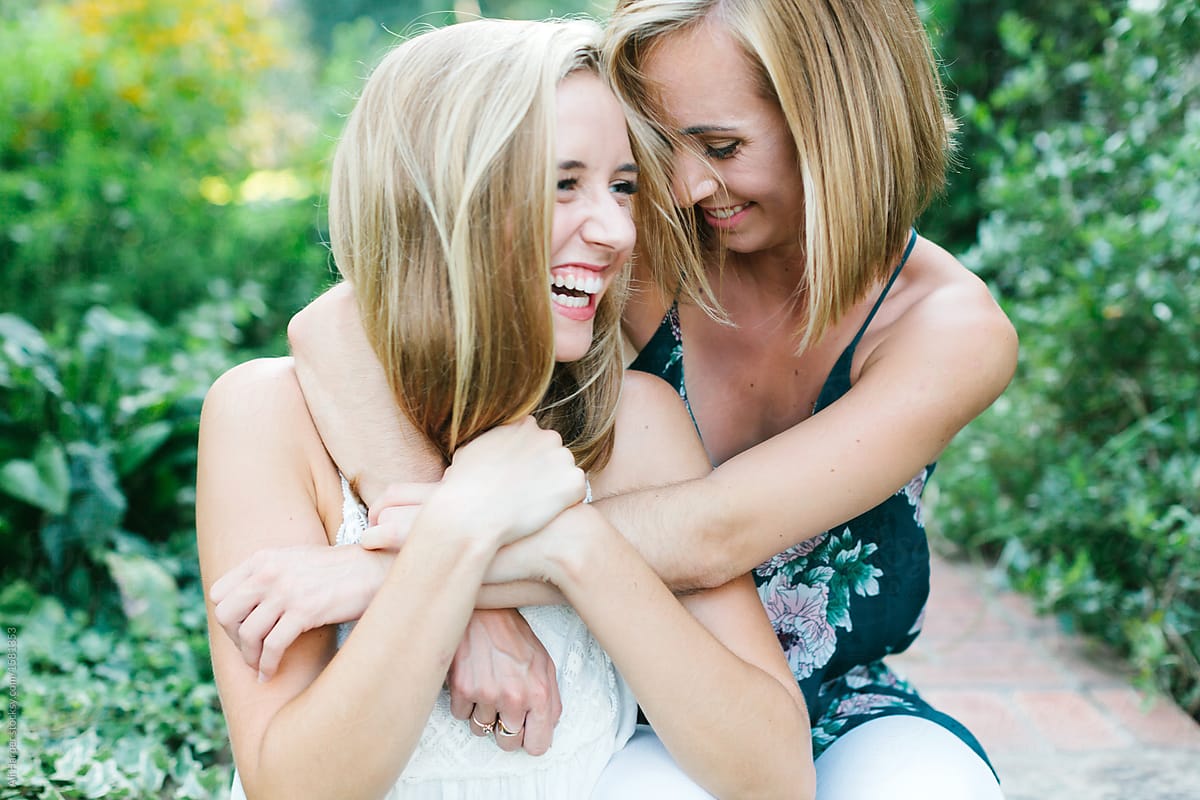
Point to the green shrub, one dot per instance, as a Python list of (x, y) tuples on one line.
[(98, 431), (126, 712), (997, 61), (140, 154), (1085, 477)]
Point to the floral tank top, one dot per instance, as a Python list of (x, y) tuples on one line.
[(844, 599)]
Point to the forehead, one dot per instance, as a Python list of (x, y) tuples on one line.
[(589, 119), (700, 74)]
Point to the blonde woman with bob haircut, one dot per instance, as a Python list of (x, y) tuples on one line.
[(481, 211), (826, 351)]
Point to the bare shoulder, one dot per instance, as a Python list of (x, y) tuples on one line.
[(261, 398), (655, 440), (951, 316), (255, 421)]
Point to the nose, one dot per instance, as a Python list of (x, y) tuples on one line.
[(693, 179), (609, 224)]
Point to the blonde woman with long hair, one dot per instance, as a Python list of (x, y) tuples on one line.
[(826, 351), (481, 212)]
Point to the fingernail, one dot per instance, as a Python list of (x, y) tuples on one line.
[(262, 678)]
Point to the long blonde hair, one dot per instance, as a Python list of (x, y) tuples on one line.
[(440, 217), (858, 84)]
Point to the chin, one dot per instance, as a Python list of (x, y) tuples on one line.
[(565, 355), (572, 345), (573, 350)]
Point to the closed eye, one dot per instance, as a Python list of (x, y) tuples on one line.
[(723, 152)]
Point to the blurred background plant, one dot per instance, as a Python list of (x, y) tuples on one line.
[(1084, 478), (161, 174)]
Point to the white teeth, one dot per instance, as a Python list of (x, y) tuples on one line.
[(588, 284), (726, 213), (570, 301)]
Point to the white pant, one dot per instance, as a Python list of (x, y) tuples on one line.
[(644, 770), (892, 758), (903, 758)]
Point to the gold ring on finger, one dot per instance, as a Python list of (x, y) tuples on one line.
[(486, 728), (502, 729)]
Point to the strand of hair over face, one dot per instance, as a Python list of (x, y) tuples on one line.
[(858, 85), (440, 217)]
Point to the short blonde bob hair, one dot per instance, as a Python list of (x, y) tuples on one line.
[(440, 211), (858, 85)]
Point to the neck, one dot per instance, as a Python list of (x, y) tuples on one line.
[(762, 280)]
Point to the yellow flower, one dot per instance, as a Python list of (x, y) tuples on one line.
[(215, 190)]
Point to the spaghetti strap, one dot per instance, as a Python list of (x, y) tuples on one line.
[(912, 240)]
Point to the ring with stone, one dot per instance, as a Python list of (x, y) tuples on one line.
[(485, 728)]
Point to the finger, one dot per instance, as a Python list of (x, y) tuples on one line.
[(483, 720), (379, 537), (232, 611), (254, 630), (224, 584), (391, 529), (286, 631), (400, 494), (461, 704), (389, 536), (510, 734), (538, 732)]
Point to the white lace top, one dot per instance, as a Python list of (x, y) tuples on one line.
[(598, 717)]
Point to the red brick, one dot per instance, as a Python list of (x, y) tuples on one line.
[(992, 717), (949, 619), (1152, 719), (976, 664), (1069, 721), (1089, 664)]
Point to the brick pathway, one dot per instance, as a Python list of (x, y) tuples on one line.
[(1058, 716)]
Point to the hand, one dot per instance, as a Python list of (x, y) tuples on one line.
[(502, 672), (511, 481), (266, 602), (392, 515), (541, 557)]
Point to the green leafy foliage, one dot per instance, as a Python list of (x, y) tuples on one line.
[(116, 712), (98, 433), (398, 16), (1085, 477), (154, 156), (136, 156)]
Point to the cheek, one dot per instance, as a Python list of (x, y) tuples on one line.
[(560, 230)]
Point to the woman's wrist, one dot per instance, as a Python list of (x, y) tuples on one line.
[(450, 521), (578, 538)]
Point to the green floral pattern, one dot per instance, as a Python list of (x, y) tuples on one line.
[(844, 599)]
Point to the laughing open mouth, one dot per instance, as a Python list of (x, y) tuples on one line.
[(574, 291)]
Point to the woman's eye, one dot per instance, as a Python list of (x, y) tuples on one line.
[(627, 188), (567, 184), (722, 152)]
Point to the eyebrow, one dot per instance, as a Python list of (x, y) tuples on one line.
[(695, 129), (569, 165)]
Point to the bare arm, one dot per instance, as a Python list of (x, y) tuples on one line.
[(715, 644), (941, 365), (370, 439), (260, 484)]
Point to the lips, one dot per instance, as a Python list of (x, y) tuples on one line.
[(573, 290), (726, 217), (726, 213)]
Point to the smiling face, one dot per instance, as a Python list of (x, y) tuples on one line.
[(710, 96), (592, 234)]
